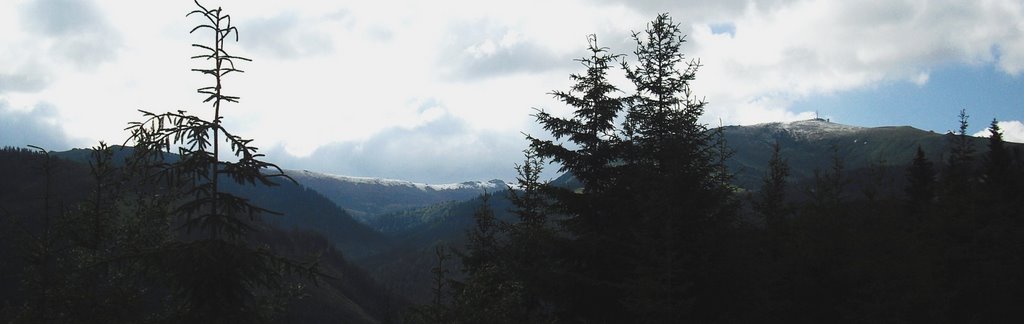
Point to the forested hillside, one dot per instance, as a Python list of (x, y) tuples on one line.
[(45, 204), (807, 145)]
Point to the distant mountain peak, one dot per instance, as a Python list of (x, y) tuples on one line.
[(815, 128)]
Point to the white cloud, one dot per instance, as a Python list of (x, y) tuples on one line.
[(38, 126), (288, 36), (330, 72), (28, 77), (445, 149), (1013, 131), (797, 49), (74, 29)]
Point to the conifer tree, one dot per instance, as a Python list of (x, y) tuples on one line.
[(679, 204), (42, 278), (721, 153), (439, 310), (593, 215), (592, 128), (528, 195), (771, 200), (958, 177), (920, 182), (77, 256), (662, 118), (654, 191), (491, 292), (482, 249), (217, 274), (826, 192), (960, 162), (877, 184), (532, 243), (1000, 227), (999, 175), (102, 285)]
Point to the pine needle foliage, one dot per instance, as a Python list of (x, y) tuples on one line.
[(217, 274)]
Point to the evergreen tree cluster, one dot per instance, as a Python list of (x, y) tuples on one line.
[(638, 240), (657, 234)]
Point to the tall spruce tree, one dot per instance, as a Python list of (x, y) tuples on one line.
[(592, 215), (217, 274), (662, 119), (483, 246), (531, 243), (920, 188), (957, 192), (592, 128), (959, 165), (679, 204), (999, 171), (528, 194)]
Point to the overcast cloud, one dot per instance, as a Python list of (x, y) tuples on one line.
[(480, 50), (39, 127), (30, 77), (76, 29), (286, 36), (366, 87), (440, 151)]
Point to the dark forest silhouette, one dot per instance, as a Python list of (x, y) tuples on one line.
[(655, 232), (652, 228)]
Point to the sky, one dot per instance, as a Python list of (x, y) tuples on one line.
[(443, 91)]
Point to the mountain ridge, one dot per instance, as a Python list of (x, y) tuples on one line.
[(367, 197), (473, 184), (809, 145)]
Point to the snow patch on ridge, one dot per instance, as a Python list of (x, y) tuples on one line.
[(813, 128), (492, 185)]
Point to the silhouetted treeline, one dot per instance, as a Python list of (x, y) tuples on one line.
[(79, 261), (657, 234)]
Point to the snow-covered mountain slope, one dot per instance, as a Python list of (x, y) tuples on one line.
[(808, 145), (811, 129), (366, 197)]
